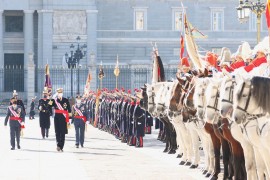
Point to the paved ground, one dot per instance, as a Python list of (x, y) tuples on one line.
[(102, 158)]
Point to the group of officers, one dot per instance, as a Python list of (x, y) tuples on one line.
[(116, 112), (119, 113)]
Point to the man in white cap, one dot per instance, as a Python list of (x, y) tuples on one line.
[(45, 111), (15, 115), (61, 118), (19, 101), (79, 119)]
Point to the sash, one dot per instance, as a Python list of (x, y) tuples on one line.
[(61, 110), (81, 116), (16, 116)]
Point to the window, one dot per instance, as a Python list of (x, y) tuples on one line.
[(177, 20), (140, 16), (217, 20), (13, 23)]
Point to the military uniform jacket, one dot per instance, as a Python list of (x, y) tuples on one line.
[(75, 115), (20, 103), (59, 118), (139, 120), (45, 111), (19, 111)]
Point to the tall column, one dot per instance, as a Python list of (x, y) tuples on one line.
[(28, 40), (28, 34), (1, 40), (1, 51), (40, 31), (47, 36), (30, 80), (92, 44)]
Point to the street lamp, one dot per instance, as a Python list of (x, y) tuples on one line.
[(73, 61), (244, 9)]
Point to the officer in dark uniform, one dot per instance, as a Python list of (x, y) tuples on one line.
[(79, 119), (45, 111), (19, 102), (61, 118), (15, 115), (148, 122), (32, 109), (139, 121)]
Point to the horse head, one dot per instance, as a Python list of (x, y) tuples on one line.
[(199, 96), (251, 97), (212, 100), (226, 96)]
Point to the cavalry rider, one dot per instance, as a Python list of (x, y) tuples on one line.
[(79, 114), (45, 111), (15, 115), (259, 59), (61, 118)]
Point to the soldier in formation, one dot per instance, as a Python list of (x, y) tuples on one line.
[(119, 113)]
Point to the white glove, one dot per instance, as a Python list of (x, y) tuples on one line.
[(40, 108), (22, 123)]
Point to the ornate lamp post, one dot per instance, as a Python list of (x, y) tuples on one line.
[(100, 75), (244, 9), (116, 70), (73, 61)]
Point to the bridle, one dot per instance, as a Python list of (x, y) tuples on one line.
[(248, 98), (230, 100), (216, 100)]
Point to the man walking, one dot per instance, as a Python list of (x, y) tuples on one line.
[(61, 118), (45, 111), (15, 115), (79, 120)]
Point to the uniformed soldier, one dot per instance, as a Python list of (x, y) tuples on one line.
[(148, 123), (32, 109), (79, 118), (61, 118), (15, 115), (19, 102), (45, 111)]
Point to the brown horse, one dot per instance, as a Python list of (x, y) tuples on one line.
[(233, 155)]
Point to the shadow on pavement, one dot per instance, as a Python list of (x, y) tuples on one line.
[(45, 151)]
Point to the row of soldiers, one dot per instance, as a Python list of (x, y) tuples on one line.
[(119, 113)]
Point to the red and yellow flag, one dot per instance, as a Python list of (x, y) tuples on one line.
[(182, 47), (267, 13)]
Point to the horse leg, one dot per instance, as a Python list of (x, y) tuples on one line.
[(216, 146), (187, 141), (196, 143), (178, 141)]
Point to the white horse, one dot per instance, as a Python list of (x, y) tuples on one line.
[(182, 133), (200, 103), (226, 108), (251, 111)]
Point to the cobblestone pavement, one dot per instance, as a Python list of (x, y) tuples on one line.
[(102, 158)]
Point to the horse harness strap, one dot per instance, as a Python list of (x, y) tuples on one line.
[(247, 103), (216, 102)]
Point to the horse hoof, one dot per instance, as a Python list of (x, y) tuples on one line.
[(214, 178), (208, 175), (204, 172), (166, 150), (172, 152), (179, 155), (193, 166), (188, 164), (182, 163), (200, 148)]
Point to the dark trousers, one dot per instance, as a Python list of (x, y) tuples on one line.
[(60, 139), (45, 131), (79, 125), (15, 132)]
